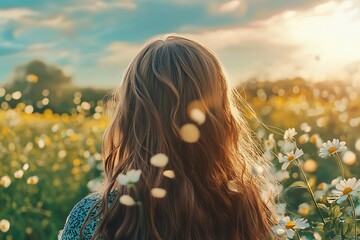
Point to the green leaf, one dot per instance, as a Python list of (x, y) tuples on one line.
[(346, 228), (336, 211), (295, 185), (325, 209), (329, 226)]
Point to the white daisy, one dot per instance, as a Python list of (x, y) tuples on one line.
[(270, 142), (304, 209), (291, 156), (282, 175), (288, 226), (289, 134), (346, 188), (329, 148), (132, 176)]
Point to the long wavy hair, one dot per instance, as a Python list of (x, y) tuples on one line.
[(215, 193)]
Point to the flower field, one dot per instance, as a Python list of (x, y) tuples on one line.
[(49, 161), (47, 164)]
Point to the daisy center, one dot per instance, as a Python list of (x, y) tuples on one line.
[(291, 157), (347, 190), (290, 225), (332, 149)]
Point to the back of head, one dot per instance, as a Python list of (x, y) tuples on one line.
[(175, 100)]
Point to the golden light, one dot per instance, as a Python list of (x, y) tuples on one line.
[(32, 78), (2, 92), (357, 145), (196, 111), (158, 192), (29, 109), (310, 166), (349, 158), (189, 133), (16, 95)]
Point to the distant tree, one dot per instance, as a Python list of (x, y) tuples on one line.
[(37, 81)]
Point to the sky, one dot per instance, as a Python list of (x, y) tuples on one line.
[(94, 40)]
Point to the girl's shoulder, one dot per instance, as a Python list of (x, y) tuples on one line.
[(78, 216)]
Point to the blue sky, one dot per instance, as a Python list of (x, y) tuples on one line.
[(94, 40)]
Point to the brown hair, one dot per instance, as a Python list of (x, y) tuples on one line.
[(166, 77)]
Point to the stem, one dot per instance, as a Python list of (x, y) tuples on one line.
[(354, 214), (297, 234), (311, 192), (337, 157), (138, 203)]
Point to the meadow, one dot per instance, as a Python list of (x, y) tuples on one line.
[(49, 160)]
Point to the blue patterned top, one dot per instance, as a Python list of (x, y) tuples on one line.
[(78, 215)]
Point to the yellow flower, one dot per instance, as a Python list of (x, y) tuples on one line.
[(32, 180), (5, 181), (4, 225)]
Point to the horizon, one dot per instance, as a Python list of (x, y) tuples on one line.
[(262, 39)]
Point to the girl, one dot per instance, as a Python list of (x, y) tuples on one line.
[(178, 156)]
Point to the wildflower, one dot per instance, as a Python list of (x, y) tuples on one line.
[(190, 133), (169, 173), (332, 147), (19, 173), (32, 180), (304, 209), (158, 192), (26, 167), (270, 142), (289, 134), (346, 188), (286, 146), (132, 176), (290, 157), (313, 139), (4, 225), (127, 200), (281, 175), (322, 189), (159, 160), (289, 226), (316, 139), (5, 181), (305, 127), (304, 138)]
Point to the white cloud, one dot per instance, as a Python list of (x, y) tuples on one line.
[(16, 13), (318, 43), (237, 7), (120, 53), (97, 6)]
